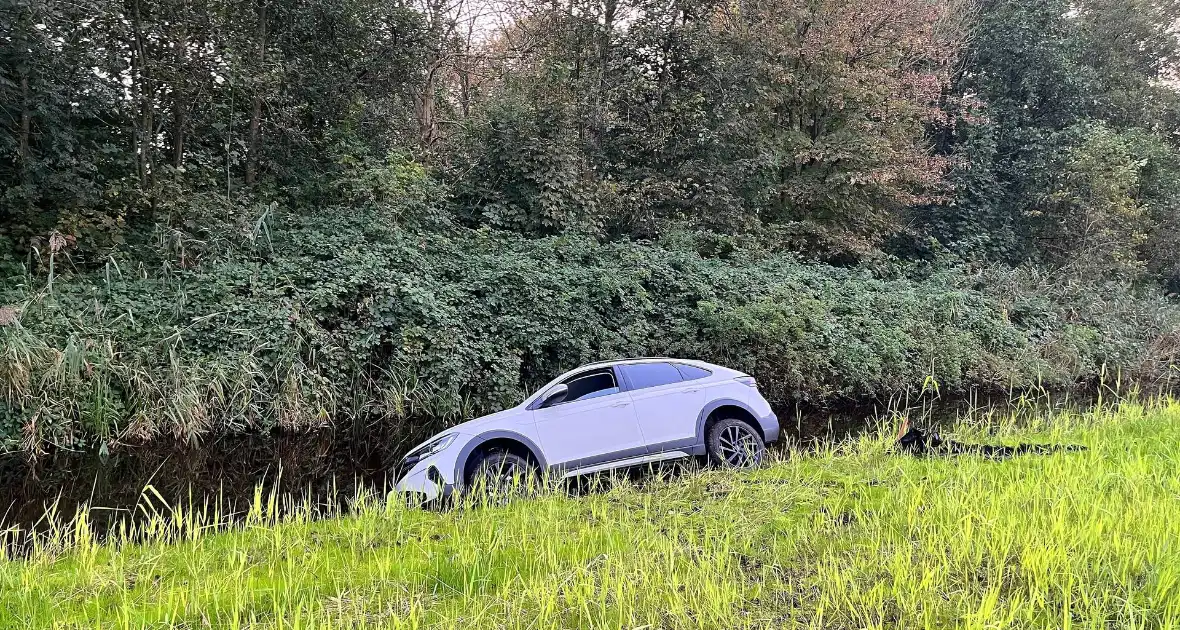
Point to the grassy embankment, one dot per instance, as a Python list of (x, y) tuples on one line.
[(852, 537)]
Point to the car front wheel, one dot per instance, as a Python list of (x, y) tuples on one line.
[(733, 443), (501, 474)]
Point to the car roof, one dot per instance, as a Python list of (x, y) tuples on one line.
[(717, 370), (642, 360)]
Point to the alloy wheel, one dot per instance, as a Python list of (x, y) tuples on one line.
[(740, 448), (504, 477)]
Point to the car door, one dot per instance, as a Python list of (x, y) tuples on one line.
[(666, 405), (595, 424)]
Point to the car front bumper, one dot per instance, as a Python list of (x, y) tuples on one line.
[(426, 479)]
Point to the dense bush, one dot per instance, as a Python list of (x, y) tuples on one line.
[(330, 322), (291, 214)]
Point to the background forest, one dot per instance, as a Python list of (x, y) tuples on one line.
[(221, 217)]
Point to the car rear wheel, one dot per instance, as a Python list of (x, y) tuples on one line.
[(734, 443), (501, 475)]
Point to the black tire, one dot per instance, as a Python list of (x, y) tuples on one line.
[(501, 474), (734, 443)]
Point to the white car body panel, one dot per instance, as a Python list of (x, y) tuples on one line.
[(631, 427), (668, 413), (577, 431)]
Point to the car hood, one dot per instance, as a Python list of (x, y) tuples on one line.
[(506, 418)]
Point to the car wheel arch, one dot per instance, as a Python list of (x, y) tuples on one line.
[(727, 407), (509, 440)]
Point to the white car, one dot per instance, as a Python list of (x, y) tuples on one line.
[(599, 417)]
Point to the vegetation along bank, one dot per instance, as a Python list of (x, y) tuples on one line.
[(383, 217)]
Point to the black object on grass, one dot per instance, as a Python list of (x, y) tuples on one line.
[(915, 441)]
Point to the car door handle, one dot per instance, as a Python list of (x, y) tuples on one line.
[(620, 404), (691, 390)]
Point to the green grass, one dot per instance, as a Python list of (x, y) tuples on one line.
[(854, 537)]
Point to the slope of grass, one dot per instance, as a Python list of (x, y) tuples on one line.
[(855, 537)]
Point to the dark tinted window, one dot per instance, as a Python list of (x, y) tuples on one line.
[(587, 386), (691, 372), (584, 387), (644, 375)]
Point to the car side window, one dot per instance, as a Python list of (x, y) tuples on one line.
[(588, 385), (692, 372), (644, 375)]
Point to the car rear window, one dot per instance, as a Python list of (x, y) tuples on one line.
[(692, 372), (644, 375)]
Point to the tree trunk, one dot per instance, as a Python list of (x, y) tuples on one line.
[(179, 105), (465, 93), (26, 124), (255, 140), (424, 98), (598, 119), (145, 145), (425, 112), (179, 119), (145, 92)]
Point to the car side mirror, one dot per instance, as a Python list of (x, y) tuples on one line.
[(555, 395)]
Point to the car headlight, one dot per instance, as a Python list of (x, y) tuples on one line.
[(433, 446)]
